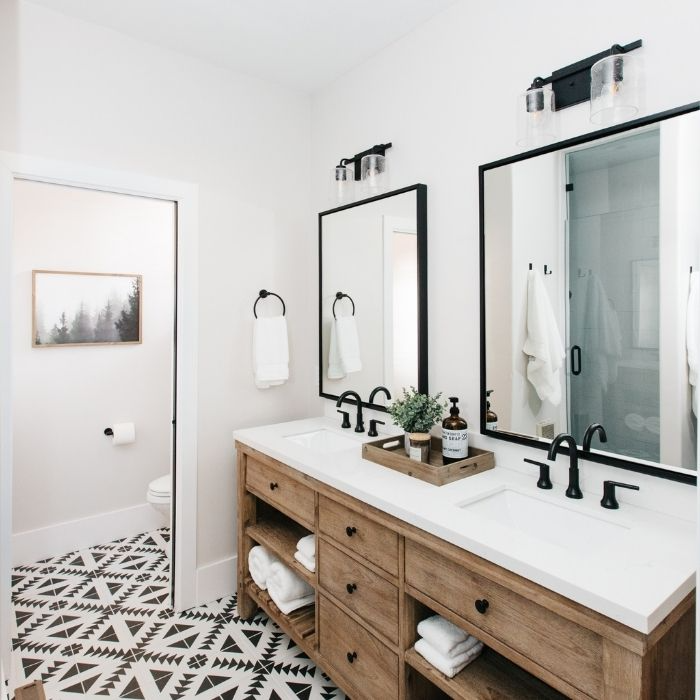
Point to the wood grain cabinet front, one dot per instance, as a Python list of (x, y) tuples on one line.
[(367, 594), (360, 534), (370, 669)]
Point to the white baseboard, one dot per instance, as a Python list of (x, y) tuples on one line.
[(216, 580), (33, 545)]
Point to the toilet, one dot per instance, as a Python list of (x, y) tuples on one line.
[(158, 496)]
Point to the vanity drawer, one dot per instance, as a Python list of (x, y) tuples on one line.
[(369, 539), (290, 496), (356, 655), (570, 651), (373, 598)]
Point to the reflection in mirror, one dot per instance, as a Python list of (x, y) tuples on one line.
[(373, 295), (614, 218)]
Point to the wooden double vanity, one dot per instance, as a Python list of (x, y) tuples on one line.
[(377, 576)]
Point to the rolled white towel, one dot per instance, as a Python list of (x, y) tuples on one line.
[(307, 546), (307, 562), (284, 585), (259, 563), (287, 606), (449, 666), (442, 635)]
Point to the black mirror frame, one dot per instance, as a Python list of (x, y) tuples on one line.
[(602, 458), (422, 243)]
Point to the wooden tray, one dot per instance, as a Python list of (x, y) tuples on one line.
[(435, 473)]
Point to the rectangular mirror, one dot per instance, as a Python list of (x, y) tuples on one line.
[(586, 254), (373, 296)]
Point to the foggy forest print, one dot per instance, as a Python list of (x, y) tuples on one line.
[(85, 308)]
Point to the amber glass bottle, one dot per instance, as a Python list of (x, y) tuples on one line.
[(455, 438)]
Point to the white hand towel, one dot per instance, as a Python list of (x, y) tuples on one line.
[(543, 343), (259, 563), (287, 606), (450, 667), (307, 546), (693, 338), (270, 351), (442, 634), (348, 344), (307, 562), (335, 364), (284, 585)]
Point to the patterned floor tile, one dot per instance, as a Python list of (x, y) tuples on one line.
[(96, 624)]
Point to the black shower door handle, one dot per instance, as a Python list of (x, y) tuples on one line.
[(576, 360)]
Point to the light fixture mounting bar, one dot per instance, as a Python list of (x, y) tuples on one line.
[(572, 84), (379, 149)]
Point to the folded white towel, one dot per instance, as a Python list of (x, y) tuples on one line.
[(335, 364), (284, 585), (348, 344), (287, 606), (307, 546), (259, 563), (543, 343), (442, 634), (449, 666), (307, 562), (693, 338), (270, 351)]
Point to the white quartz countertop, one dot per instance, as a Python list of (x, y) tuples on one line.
[(637, 576)]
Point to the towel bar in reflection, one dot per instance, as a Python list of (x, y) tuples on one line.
[(338, 297)]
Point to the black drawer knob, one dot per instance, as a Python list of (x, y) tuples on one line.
[(273, 485), (350, 587), (481, 605), (350, 531), (351, 656)]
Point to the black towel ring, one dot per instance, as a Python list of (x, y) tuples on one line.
[(338, 297), (263, 295)]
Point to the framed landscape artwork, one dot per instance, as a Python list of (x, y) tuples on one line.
[(85, 308)]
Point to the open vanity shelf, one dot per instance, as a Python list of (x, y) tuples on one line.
[(377, 576)]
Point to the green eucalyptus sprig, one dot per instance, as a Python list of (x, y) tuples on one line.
[(416, 412)]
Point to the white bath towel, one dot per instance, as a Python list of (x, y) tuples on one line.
[(270, 351), (543, 343), (287, 606), (693, 338), (449, 666), (284, 585), (307, 562), (335, 364), (259, 562), (307, 546), (348, 344), (442, 634)]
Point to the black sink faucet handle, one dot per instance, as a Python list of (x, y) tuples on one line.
[(346, 419), (609, 501), (373, 423), (544, 482)]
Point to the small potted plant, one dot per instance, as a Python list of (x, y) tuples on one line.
[(417, 413)]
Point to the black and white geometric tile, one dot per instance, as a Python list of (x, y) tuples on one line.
[(96, 624)]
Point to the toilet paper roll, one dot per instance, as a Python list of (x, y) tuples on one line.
[(124, 433)]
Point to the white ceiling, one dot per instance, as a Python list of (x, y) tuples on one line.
[(303, 44)]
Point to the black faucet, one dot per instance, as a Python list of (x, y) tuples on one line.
[(376, 390), (573, 490), (591, 430), (360, 426)]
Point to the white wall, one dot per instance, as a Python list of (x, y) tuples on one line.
[(64, 466), (444, 95), (93, 96)]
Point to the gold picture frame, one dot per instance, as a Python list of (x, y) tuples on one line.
[(71, 309)]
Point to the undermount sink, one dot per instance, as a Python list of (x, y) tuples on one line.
[(546, 521), (323, 441)]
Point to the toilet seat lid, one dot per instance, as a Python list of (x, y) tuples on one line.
[(160, 486)]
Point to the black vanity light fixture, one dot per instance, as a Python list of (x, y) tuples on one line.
[(609, 79), (367, 167)]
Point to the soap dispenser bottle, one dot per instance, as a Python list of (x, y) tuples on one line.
[(455, 438), (491, 417)]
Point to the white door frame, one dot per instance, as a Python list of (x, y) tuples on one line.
[(186, 196)]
